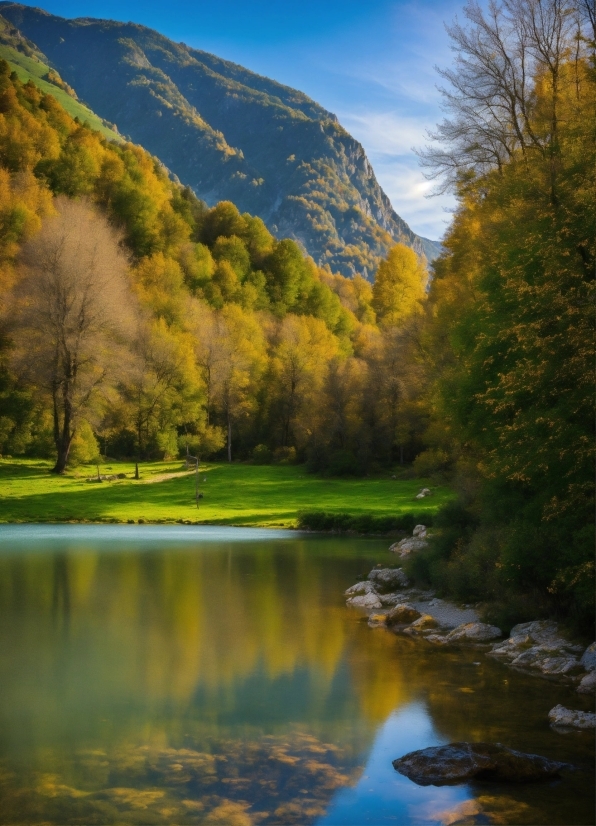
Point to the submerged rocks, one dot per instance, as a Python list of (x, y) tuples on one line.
[(387, 579), (538, 645), (562, 717), (461, 762)]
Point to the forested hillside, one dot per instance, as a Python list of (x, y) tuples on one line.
[(230, 135), (135, 316)]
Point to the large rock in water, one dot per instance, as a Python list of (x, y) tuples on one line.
[(570, 718), (460, 762), (387, 579)]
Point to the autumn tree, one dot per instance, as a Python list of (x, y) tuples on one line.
[(511, 332), (399, 286), (70, 314)]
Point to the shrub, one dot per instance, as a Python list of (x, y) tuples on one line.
[(430, 462), (360, 523), (262, 455), (284, 455)]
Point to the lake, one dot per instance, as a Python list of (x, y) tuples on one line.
[(203, 675)]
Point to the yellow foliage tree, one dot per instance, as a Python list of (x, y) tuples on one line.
[(399, 286)]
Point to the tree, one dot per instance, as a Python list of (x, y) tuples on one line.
[(490, 98), (230, 351), (511, 322), (71, 312), (399, 285)]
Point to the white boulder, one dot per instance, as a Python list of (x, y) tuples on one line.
[(587, 684), (360, 588), (474, 632), (368, 601), (569, 718)]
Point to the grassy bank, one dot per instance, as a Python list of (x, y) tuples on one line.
[(232, 494)]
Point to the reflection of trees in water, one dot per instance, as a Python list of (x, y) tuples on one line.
[(269, 780), (60, 592)]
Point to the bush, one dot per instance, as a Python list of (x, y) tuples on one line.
[(84, 447), (284, 455), (344, 463), (261, 455), (360, 523), (430, 462)]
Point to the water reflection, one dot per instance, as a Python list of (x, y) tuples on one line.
[(202, 680)]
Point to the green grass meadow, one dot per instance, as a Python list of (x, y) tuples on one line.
[(257, 495)]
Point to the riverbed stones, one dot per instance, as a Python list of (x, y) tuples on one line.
[(402, 614), (389, 600), (408, 545), (462, 762), (538, 645), (365, 587), (424, 623), (367, 601), (388, 579), (562, 717), (588, 659), (376, 620), (587, 683), (474, 632)]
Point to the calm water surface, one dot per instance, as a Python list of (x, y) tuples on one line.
[(214, 676)]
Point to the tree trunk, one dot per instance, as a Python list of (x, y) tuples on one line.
[(229, 439), (63, 436)]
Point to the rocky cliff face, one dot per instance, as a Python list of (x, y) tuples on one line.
[(229, 134)]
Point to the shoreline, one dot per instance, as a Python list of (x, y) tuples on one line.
[(535, 648)]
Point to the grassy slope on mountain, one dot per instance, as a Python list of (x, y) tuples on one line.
[(230, 134), (29, 65)]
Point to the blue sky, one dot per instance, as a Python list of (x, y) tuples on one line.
[(371, 62)]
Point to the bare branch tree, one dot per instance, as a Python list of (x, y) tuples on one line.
[(71, 310), (490, 96)]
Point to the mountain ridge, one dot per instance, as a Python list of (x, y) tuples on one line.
[(229, 134)]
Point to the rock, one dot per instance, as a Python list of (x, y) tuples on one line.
[(420, 531), (587, 684), (402, 614), (387, 579), (436, 639), (461, 762), (475, 632), (424, 622), (568, 718), (588, 659), (377, 619), (389, 600), (406, 546), (537, 645), (360, 588), (370, 600)]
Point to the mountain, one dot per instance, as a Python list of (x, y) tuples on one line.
[(30, 64), (229, 134)]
